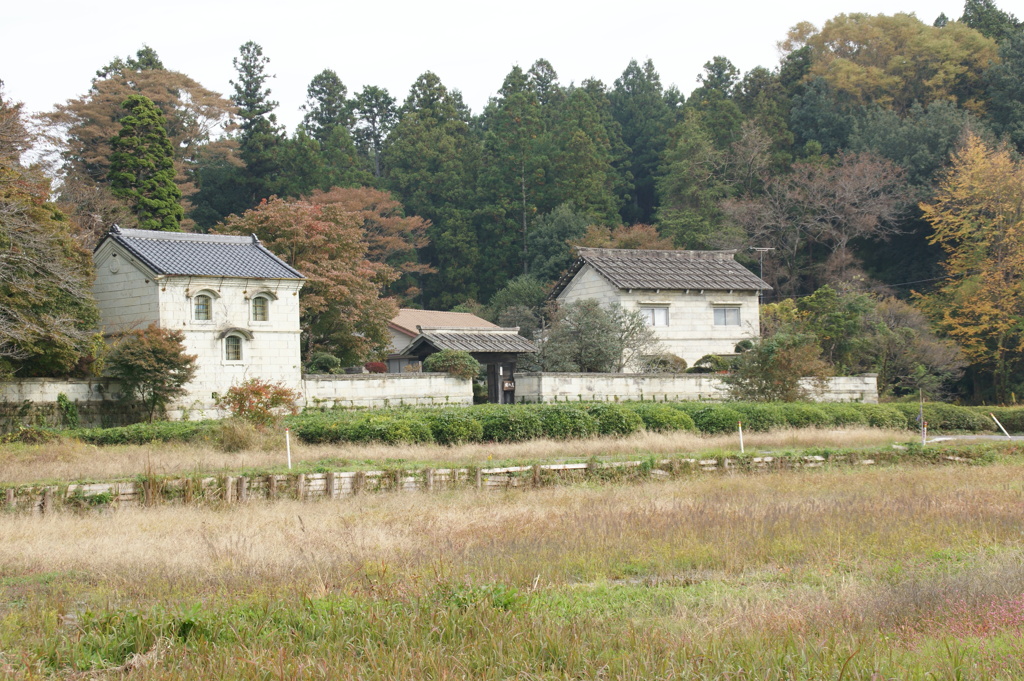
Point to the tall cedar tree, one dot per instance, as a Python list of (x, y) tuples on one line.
[(978, 219), (142, 167), (639, 105), (81, 131), (259, 133), (341, 309), (430, 161), (376, 114)]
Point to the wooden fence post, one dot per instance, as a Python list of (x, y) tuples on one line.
[(330, 483), (300, 486), (428, 479), (358, 482), (272, 487), (243, 489), (536, 475), (9, 500), (229, 489), (47, 506), (479, 479)]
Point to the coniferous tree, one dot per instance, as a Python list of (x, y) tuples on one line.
[(376, 114), (327, 106), (142, 167), (639, 105), (429, 163), (259, 134)]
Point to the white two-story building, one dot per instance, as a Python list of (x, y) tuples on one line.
[(698, 302), (236, 302)]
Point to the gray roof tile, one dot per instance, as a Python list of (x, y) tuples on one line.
[(474, 340), (200, 255), (665, 270)]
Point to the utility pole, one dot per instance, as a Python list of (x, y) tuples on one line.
[(761, 250)]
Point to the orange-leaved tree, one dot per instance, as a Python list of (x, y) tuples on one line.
[(341, 308), (978, 218)]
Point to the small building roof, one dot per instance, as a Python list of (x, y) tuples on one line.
[(201, 255), (472, 340), (665, 270), (407, 320)]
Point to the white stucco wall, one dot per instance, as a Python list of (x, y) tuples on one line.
[(565, 387), (386, 390), (273, 352), (127, 295)]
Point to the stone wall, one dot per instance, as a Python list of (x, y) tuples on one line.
[(386, 390), (33, 402), (559, 387)]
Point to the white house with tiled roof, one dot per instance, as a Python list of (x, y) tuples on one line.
[(236, 302), (698, 302)]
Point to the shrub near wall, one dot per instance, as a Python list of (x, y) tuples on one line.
[(562, 422), (614, 419)]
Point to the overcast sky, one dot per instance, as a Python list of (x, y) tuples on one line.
[(49, 52)]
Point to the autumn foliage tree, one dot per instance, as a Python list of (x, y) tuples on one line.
[(47, 314), (341, 308), (152, 367), (978, 218), (392, 237)]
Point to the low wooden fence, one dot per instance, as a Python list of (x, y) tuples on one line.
[(335, 484)]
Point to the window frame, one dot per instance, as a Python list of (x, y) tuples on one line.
[(727, 312), (228, 345), (196, 304), (650, 315), (265, 299)]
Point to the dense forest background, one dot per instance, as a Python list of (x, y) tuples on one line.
[(820, 170)]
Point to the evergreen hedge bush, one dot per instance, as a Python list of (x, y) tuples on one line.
[(661, 417), (715, 418), (562, 422), (614, 419), (510, 423), (454, 426)]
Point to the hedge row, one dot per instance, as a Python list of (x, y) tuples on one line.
[(518, 423)]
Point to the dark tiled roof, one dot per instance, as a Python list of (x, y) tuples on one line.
[(473, 340), (202, 255), (665, 270)]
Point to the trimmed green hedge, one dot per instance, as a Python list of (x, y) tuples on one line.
[(615, 419), (717, 418), (661, 417), (562, 422), (518, 423)]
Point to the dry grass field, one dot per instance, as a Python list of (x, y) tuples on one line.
[(71, 460), (886, 573)]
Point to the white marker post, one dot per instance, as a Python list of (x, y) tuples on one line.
[(288, 446), (739, 425), (1000, 426)]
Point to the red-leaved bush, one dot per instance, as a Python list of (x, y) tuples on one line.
[(376, 367), (259, 401)]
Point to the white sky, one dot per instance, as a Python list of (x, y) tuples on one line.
[(49, 52)]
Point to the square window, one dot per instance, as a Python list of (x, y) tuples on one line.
[(727, 316), (655, 316)]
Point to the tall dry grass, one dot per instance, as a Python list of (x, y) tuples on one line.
[(839, 573), (71, 460)]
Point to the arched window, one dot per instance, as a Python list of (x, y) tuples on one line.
[(233, 348), (202, 306), (261, 309)]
